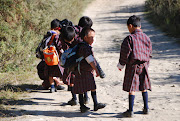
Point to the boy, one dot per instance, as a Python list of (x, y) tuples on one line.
[(54, 72), (84, 21), (84, 81), (135, 53)]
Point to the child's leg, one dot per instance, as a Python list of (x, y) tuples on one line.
[(145, 100), (86, 98), (96, 104), (73, 95), (131, 101), (129, 112), (85, 95), (94, 97), (51, 81), (81, 101), (83, 108), (73, 101)]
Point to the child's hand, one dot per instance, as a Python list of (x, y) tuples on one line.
[(97, 74)]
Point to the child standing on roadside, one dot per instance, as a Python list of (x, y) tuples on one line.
[(84, 21), (84, 80), (54, 71), (135, 53)]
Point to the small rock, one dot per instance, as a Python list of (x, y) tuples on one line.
[(173, 86)]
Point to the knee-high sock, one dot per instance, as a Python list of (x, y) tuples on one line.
[(52, 86), (94, 97), (131, 102), (85, 95), (145, 99), (81, 101), (73, 95)]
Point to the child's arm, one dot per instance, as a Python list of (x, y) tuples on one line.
[(90, 59), (95, 68), (126, 49)]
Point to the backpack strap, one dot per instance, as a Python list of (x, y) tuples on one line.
[(52, 38)]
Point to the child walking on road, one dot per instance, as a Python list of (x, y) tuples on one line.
[(135, 53), (84, 80), (84, 21)]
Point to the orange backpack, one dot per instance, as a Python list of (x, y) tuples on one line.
[(50, 53)]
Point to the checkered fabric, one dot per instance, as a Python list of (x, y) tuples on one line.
[(135, 53)]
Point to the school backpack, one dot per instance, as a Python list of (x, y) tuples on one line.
[(42, 45), (70, 60), (50, 53)]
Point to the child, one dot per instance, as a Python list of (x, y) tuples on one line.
[(84, 21), (135, 53), (84, 81), (54, 71)]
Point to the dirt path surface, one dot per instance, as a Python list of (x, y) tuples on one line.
[(109, 17)]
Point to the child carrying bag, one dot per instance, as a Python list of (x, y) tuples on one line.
[(50, 53)]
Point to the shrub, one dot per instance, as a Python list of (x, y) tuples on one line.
[(23, 24), (166, 14)]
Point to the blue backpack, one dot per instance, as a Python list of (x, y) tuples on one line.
[(69, 58)]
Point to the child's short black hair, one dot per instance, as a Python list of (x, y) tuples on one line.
[(134, 20), (55, 23), (85, 21), (68, 33), (85, 31)]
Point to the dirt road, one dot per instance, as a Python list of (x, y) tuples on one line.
[(109, 17)]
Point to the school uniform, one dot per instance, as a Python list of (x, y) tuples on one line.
[(68, 78), (135, 53), (84, 79)]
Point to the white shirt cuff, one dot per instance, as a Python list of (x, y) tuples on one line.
[(120, 66), (89, 59)]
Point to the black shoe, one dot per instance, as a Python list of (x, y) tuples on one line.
[(99, 106), (128, 114), (60, 87), (52, 90), (72, 102), (86, 100), (55, 89), (84, 109), (145, 111)]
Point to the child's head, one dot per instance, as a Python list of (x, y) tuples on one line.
[(134, 22), (55, 24), (88, 35), (68, 33), (85, 21)]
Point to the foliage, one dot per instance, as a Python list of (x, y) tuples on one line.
[(23, 24), (166, 14)]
